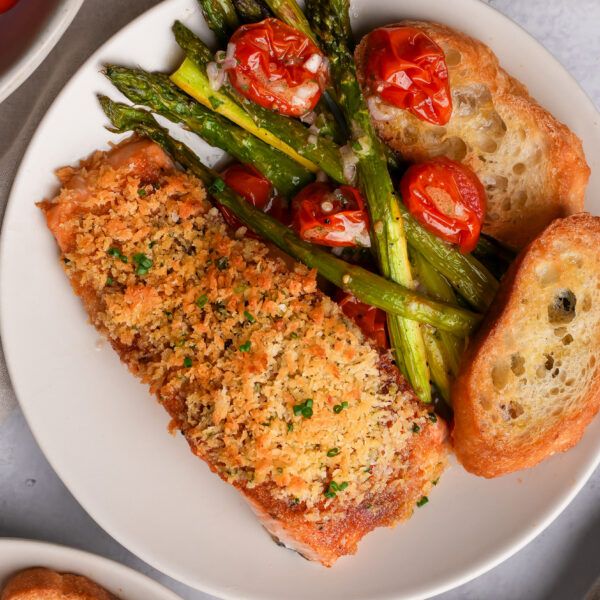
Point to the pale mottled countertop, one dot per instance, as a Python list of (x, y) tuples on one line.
[(561, 564)]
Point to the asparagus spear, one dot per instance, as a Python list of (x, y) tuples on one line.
[(466, 274), (366, 286), (286, 134), (289, 12), (156, 91), (331, 23), (221, 17), (494, 255), (443, 349), (251, 11)]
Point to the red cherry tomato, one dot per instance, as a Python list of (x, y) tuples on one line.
[(408, 69), (254, 187), (447, 198), (330, 215), (6, 5), (371, 320), (277, 67)]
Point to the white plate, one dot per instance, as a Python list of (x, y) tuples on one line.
[(106, 437), (16, 555), (28, 32)]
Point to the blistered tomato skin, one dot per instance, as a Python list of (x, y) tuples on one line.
[(256, 189), (407, 69), (371, 320), (331, 215), (277, 67), (447, 198)]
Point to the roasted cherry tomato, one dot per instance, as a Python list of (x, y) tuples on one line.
[(371, 320), (277, 67), (408, 69), (6, 5), (331, 215), (448, 198), (254, 187)]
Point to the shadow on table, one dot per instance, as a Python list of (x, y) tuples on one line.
[(580, 571)]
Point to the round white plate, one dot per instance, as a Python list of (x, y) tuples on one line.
[(16, 555), (28, 32), (106, 437)]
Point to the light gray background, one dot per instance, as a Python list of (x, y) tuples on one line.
[(561, 564)]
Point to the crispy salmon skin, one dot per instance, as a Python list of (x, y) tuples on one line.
[(280, 394)]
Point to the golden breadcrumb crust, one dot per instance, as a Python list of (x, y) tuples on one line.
[(237, 346)]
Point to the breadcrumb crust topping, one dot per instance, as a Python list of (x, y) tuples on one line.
[(271, 382)]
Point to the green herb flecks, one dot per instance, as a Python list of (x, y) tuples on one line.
[(144, 264), (424, 500), (116, 253), (304, 409), (338, 408), (245, 347)]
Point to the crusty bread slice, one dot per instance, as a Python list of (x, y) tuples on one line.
[(529, 383), (44, 584), (532, 166)]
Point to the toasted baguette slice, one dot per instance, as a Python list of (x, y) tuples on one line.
[(44, 584), (532, 166), (529, 383)]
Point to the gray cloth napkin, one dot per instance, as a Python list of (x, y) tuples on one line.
[(21, 112)]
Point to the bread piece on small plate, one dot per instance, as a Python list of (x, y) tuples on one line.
[(532, 167), (529, 383), (44, 584)]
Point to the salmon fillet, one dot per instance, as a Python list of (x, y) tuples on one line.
[(271, 385)]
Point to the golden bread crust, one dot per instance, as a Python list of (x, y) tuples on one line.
[(43, 584), (532, 166), (529, 383), (232, 342)]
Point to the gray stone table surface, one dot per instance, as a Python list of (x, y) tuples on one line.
[(561, 564)]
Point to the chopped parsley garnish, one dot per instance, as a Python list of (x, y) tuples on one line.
[(187, 362), (202, 301), (245, 347), (142, 192), (338, 408), (116, 253), (424, 500), (152, 244), (215, 102), (180, 343), (293, 335), (109, 280), (432, 417), (304, 409), (335, 487), (415, 428), (435, 482), (290, 427), (333, 452), (144, 264), (218, 185), (356, 146), (250, 317), (222, 263), (240, 289)]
